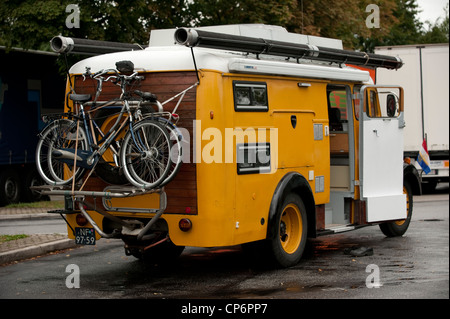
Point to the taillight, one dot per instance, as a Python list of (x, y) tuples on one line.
[(185, 224), (81, 220)]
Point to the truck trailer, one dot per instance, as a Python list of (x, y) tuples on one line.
[(425, 76), (30, 87)]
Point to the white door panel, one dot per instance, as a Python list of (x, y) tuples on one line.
[(381, 167), (389, 207)]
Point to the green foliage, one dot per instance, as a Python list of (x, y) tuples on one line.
[(405, 31), (27, 23), (345, 20), (30, 24), (218, 12), (438, 31)]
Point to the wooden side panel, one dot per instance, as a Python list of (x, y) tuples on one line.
[(182, 190)]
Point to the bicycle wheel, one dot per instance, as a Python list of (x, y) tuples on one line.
[(145, 154), (60, 134), (175, 151), (106, 168)]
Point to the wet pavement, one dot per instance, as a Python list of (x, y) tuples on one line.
[(412, 266), (38, 244)]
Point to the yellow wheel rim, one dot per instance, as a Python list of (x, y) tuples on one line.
[(105, 127), (401, 222), (291, 228)]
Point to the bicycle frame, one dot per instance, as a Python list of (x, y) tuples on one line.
[(107, 138)]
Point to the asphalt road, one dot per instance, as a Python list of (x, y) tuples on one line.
[(410, 267), (34, 226)]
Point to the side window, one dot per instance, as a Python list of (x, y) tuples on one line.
[(250, 96), (337, 109), (383, 102)]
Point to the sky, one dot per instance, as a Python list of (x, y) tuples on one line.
[(431, 9)]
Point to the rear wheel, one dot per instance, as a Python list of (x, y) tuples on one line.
[(31, 178), (175, 151), (9, 187), (163, 253), (145, 154), (399, 227), (290, 232)]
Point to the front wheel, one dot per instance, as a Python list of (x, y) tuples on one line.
[(289, 232), (59, 135), (399, 227), (145, 154)]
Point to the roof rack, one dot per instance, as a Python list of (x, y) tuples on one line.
[(61, 44), (213, 40)]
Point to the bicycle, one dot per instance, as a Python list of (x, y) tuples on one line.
[(66, 149)]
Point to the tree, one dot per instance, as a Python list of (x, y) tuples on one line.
[(437, 32), (218, 12), (27, 23), (407, 31), (30, 24)]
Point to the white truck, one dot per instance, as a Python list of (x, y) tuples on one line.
[(425, 76)]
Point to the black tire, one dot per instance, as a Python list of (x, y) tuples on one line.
[(176, 151), (58, 135), (31, 178), (9, 187), (398, 228), (145, 154), (289, 229)]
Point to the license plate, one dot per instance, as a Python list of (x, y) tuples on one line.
[(84, 236)]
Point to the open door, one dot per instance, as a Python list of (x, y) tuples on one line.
[(381, 152)]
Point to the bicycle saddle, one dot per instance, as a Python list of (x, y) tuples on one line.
[(147, 96), (80, 97)]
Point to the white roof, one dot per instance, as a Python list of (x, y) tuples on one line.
[(180, 58), (164, 55), (150, 59), (164, 37)]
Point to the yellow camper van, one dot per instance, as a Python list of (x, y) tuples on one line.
[(283, 137)]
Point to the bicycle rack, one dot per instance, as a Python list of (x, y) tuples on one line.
[(74, 197), (128, 227)]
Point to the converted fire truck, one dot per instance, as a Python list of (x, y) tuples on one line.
[(282, 137)]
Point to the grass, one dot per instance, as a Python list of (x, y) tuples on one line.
[(5, 238), (43, 204)]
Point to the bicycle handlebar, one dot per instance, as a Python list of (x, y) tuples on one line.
[(98, 75), (116, 78)]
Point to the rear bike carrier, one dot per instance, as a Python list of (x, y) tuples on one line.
[(75, 202)]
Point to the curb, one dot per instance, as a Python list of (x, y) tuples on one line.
[(37, 250), (29, 216)]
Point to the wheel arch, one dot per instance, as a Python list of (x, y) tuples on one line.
[(296, 183), (412, 177)]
